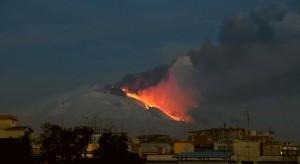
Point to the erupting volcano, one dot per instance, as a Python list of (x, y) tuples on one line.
[(167, 96), (171, 89)]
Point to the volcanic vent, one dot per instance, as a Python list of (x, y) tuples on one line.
[(165, 88)]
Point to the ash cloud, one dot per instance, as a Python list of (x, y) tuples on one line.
[(257, 56), (142, 80), (253, 67)]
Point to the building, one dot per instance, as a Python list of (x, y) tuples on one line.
[(246, 152), (154, 148), (284, 149), (8, 128), (183, 147), (220, 139), (90, 150), (15, 141), (271, 149), (205, 139), (260, 136), (289, 149), (94, 142), (218, 134), (155, 138), (92, 146), (201, 142), (36, 145), (7, 121), (222, 147), (226, 145), (207, 157), (154, 145)]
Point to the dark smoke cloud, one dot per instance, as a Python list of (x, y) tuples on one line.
[(251, 53), (258, 55), (135, 82), (254, 66)]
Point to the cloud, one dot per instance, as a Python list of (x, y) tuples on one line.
[(256, 61), (245, 58)]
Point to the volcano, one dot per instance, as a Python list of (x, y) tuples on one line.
[(92, 107)]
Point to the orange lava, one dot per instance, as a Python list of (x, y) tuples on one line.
[(168, 97)]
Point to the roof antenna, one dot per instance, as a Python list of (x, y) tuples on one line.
[(248, 123)]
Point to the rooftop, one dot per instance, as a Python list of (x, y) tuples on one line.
[(19, 128), (206, 154), (8, 117), (218, 129)]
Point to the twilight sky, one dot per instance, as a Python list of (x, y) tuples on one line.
[(50, 47)]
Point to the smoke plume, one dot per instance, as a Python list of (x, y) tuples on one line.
[(255, 59)]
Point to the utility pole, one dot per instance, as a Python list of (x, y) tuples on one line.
[(248, 133), (63, 110)]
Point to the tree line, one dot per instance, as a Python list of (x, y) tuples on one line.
[(68, 145)]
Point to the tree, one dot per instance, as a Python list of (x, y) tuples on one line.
[(26, 146), (114, 149), (16, 150), (64, 145)]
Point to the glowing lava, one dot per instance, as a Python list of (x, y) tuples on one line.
[(168, 97)]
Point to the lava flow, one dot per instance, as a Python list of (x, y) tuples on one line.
[(168, 97)]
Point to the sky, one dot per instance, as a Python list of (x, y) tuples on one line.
[(49, 48)]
